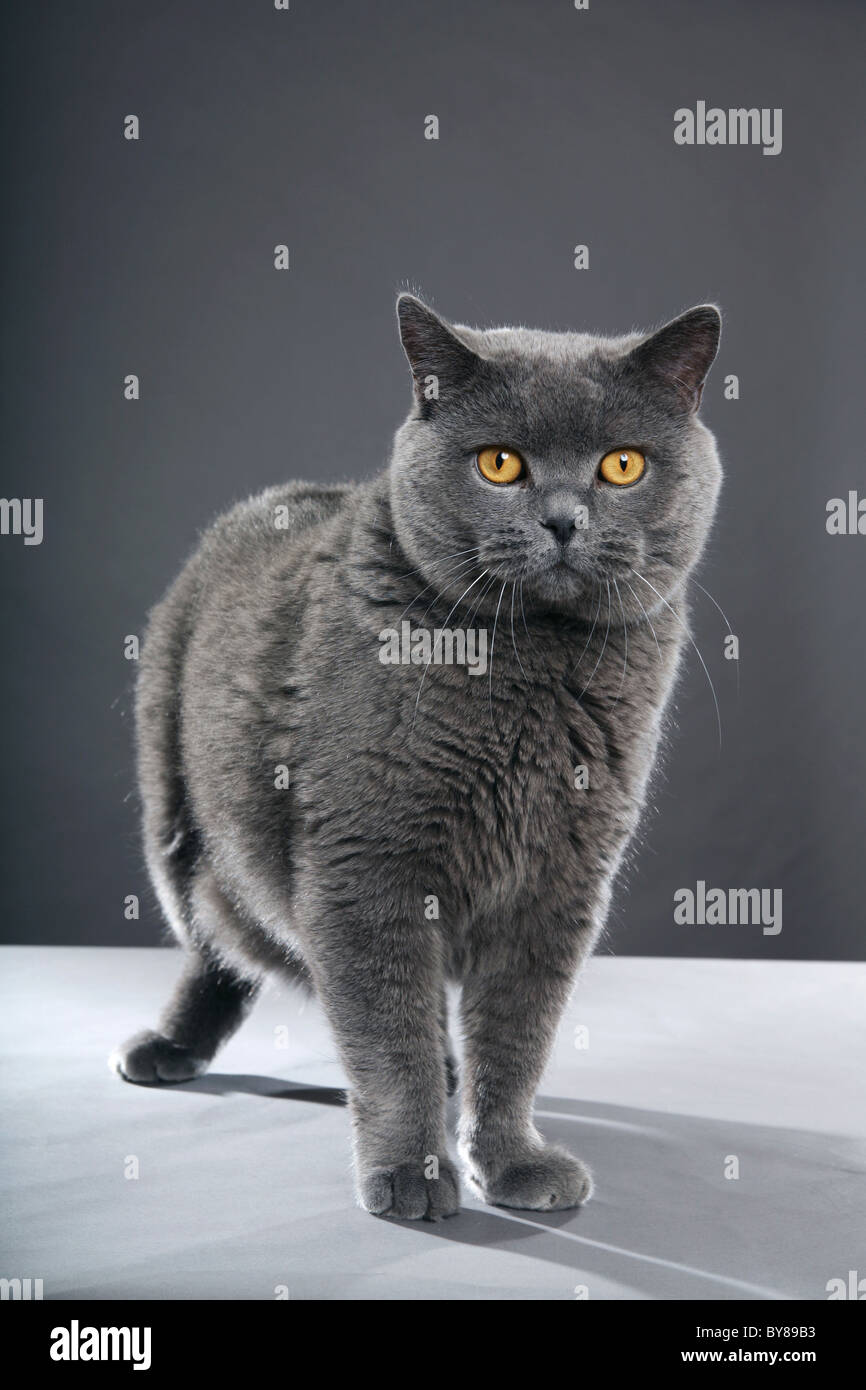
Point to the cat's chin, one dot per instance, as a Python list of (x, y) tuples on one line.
[(560, 587)]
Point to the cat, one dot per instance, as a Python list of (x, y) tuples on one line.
[(375, 831)]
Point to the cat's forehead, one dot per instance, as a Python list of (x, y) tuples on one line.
[(558, 384), (535, 347)]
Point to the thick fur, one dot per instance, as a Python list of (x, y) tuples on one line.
[(406, 787)]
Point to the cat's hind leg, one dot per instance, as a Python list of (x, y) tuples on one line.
[(208, 1004), (212, 996)]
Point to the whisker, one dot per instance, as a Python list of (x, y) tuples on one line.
[(625, 653), (427, 667), (439, 579), (482, 593), (603, 645), (440, 571), (694, 644), (646, 615), (492, 644), (513, 638), (462, 571), (727, 625), (591, 631), (523, 614), (441, 561)]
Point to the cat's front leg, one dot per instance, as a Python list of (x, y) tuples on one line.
[(512, 1002), (378, 973)]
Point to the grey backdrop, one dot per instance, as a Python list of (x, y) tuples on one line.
[(306, 127)]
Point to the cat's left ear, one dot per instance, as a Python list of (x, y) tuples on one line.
[(680, 355), (439, 360)]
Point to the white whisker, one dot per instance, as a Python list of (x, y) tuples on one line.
[(523, 614), (443, 559), (444, 625), (513, 638), (438, 579), (492, 643), (591, 631), (465, 568), (727, 625), (482, 594), (625, 653), (646, 615), (603, 645), (694, 644)]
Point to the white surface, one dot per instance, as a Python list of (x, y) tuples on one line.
[(244, 1175)]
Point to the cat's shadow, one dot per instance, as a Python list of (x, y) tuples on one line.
[(273, 1088), (666, 1215)]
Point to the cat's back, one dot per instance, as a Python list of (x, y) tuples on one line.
[(245, 539), (242, 544), (204, 625)]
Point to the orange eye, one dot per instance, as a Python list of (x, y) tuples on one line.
[(622, 466), (500, 465)]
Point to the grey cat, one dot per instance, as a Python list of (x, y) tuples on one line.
[(555, 489)]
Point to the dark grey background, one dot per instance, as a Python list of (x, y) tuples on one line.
[(306, 127)]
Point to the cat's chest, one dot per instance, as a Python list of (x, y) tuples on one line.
[(503, 772), (483, 786)]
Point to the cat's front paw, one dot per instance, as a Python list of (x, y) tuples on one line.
[(149, 1059), (403, 1192), (550, 1180)]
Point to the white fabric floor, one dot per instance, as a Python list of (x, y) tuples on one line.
[(244, 1184)]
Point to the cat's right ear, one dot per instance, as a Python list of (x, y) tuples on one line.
[(439, 360)]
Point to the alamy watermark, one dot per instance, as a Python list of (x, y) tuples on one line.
[(739, 125), (711, 907), (22, 516), (77, 1343), (444, 646), (846, 516), (20, 1289)]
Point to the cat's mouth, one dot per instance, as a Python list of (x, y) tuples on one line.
[(562, 578), (565, 564)]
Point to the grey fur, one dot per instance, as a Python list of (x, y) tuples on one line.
[(265, 653)]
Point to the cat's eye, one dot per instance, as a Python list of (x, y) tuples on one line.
[(622, 466), (500, 465)]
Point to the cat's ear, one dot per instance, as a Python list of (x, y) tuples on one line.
[(680, 355), (438, 359)]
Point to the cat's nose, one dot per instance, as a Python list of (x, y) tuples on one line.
[(562, 525)]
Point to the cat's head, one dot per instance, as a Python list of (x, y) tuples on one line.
[(563, 460)]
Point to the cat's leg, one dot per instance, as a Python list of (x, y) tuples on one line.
[(452, 1073), (208, 1004), (379, 978), (211, 998), (512, 1002)]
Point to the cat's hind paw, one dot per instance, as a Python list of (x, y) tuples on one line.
[(551, 1180), (149, 1059), (402, 1192)]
